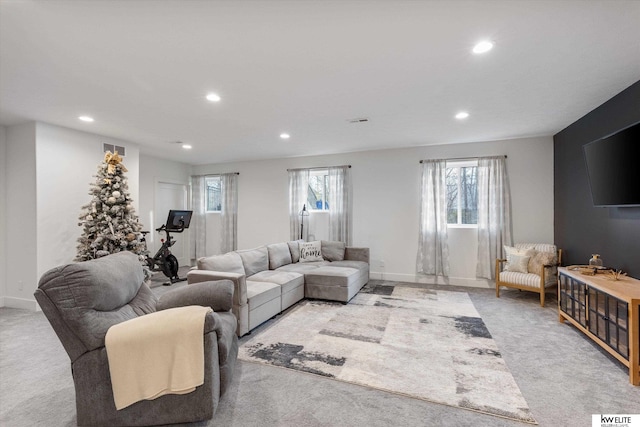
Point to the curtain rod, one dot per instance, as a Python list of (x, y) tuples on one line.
[(318, 167), (215, 174), (468, 158)]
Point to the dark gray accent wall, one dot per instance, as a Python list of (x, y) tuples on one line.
[(580, 228)]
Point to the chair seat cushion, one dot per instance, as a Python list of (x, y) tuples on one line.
[(524, 279)]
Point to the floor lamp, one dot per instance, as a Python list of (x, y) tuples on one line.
[(303, 213)]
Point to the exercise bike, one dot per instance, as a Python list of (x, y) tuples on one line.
[(164, 260)]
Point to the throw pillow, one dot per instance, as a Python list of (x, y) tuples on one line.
[(279, 255), (311, 251), (228, 263), (538, 259), (254, 260), (518, 263), (510, 251), (333, 251), (294, 248)]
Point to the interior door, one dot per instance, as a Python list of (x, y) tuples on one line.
[(170, 195)]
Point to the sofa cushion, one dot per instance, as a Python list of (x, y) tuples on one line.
[(311, 251), (302, 267), (286, 279), (279, 255), (254, 260), (332, 276), (259, 293), (332, 250), (538, 259), (228, 263), (360, 265), (294, 248)]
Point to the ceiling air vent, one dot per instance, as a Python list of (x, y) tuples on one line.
[(358, 120), (113, 149)]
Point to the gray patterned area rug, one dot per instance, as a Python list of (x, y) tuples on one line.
[(421, 343)]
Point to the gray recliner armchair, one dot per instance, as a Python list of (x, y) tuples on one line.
[(82, 300)]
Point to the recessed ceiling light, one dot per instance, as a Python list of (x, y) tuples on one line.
[(285, 136), (213, 97), (462, 115), (187, 146), (86, 118), (483, 46)]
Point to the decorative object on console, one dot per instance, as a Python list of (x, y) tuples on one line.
[(616, 274), (595, 260)]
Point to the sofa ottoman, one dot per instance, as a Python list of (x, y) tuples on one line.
[(333, 283)]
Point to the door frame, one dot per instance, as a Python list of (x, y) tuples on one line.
[(186, 235)]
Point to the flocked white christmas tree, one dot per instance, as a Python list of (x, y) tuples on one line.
[(109, 221)]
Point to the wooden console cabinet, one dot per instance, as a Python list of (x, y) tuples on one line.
[(606, 311)]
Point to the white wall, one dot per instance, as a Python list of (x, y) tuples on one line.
[(152, 171), (3, 213), (21, 235), (386, 191), (48, 172)]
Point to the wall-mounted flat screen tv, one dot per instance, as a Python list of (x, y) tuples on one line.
[(613, 164)]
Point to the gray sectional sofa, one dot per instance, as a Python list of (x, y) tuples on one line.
[(272, 278)]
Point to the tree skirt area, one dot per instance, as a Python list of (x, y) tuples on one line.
[(422, 343)]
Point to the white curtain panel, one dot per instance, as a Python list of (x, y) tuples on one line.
[(494, 214), (229, 212), (433, 247), (340, 212), (298, 188), (198, 228)]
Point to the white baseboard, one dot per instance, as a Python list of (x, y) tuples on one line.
[(415, 278), (23, 303)]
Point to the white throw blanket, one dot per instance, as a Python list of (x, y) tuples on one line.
[(157, 354)]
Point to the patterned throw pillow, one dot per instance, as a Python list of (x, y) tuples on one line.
[(517, 263), (311, 251), (538, 259)]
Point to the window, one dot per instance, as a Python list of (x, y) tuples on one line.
[(462, 193), (214, 202), (318, 194)]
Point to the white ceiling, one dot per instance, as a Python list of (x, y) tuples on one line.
[(142, 70)]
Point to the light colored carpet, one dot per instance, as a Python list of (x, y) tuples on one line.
[(421, 343)]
